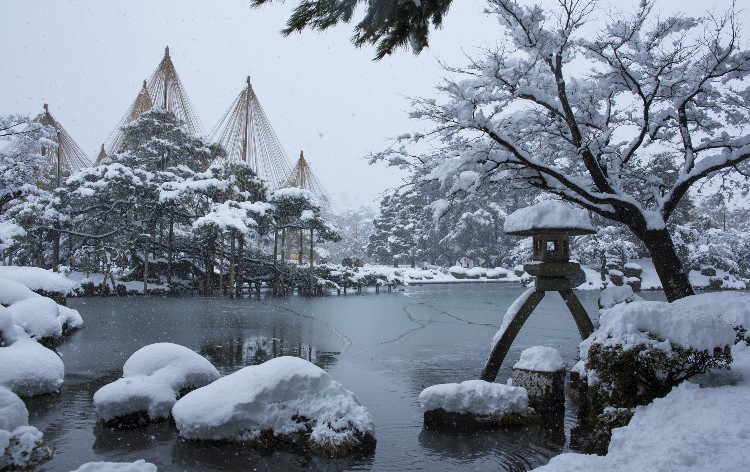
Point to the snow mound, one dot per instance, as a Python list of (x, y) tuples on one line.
[(152, 380), (38, 279), (548, 214), (629, 325), (137, 466), (13, 292), (477, 397), (18, 440), (286, 396), (614, 295), (37, 316), (28, 368), (540, 359)]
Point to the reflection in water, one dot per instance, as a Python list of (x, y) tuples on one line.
[(132, 439), (240, 351)]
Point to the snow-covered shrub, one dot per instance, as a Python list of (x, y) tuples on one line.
[(21, 445), (643, 349)]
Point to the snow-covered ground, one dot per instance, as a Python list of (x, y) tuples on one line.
[(700, 425), (152, 379)]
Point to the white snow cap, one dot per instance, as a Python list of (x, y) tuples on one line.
[(13, 292), (549, 214), (152, 378), (540, 359), (38, 279), (477, 397), (17, 438), (615, 294), (273, 396), (137, 466)]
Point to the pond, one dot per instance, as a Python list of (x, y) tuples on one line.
[(386, 348)]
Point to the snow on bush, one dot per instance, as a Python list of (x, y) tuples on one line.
[(732, 307), (540, 359), (37, 316), (28, 368), (614, 295), (153, 378), (12, 292), (477, 397), (38, 279), (137, 466), (20, 444), (285, 400), (644, 349)]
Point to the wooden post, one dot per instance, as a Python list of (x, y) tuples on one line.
[(231, 266), (312, 282), (221, 265), (170, 249), (145, 265)]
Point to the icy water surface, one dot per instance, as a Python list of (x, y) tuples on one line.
[(386, 348)]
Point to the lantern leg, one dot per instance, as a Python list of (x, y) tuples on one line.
[(585, 326), (500, 350)]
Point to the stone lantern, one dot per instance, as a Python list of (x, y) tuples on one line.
[(550, 223)]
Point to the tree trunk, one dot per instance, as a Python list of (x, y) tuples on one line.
[(145, 267), (230, 284), (668, 266), (240, 264), (301, 248), (221, 266), (170, 255)]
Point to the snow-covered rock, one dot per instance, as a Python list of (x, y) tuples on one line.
[(37, 316), (20, 444), (476, 397), (38, 279), (540, 359), (153, 378), (137, 466), (290, 398), (26, 367)]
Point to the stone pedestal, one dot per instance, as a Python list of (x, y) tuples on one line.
[(546, 390)]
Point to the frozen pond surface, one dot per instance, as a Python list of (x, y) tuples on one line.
[(385, 348)]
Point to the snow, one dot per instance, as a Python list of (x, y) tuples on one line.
[(690, 429), (137, 466), (28, 368), (614, 295), (273, 396), (477, 397), (37, 316), (629, 324), (12, 292), (511, 313), (540, 359), (17, 438), (732, 307), (152, 379), (548, 214), (38, 279)]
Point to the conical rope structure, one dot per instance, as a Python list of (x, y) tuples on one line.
[(67, 157), (302, 176), (164, 90), (246, 135)]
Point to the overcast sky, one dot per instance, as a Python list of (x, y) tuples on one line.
[(88, 58)]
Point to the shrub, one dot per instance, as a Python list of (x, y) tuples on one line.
[(636, 376)]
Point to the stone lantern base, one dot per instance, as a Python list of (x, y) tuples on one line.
[(546, 390)]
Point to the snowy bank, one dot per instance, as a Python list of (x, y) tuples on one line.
[(20, 444), (153, 378), (691, 429), (28, 368), (286, 400)]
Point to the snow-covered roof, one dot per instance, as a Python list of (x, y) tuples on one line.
[(552, 215)]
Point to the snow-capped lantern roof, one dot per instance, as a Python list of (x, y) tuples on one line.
[(549, 216)]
